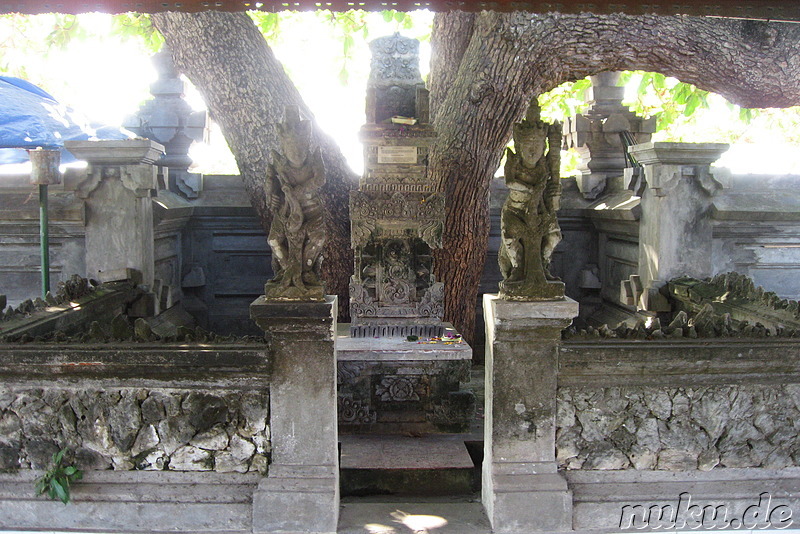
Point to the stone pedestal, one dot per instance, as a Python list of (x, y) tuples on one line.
[(118, 192), (522, 489), (390, 385), (675, 230), (301, 493)]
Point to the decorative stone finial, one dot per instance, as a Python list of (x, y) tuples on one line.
[(297, 234), (169, 120)]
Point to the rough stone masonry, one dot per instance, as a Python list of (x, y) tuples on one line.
[(678, 428), (135, 428)]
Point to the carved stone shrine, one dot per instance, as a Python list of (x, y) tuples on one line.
[(396, 214), (386, 382)]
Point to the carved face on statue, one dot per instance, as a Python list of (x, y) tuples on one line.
[(530, 136), (529, 143), (295, 137)]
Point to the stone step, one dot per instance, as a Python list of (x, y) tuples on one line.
[(438, 464), (401, 516)]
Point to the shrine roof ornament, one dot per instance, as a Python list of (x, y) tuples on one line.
[(750, 9)]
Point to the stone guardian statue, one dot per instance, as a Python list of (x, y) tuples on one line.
[(528, 220), (297, 234)]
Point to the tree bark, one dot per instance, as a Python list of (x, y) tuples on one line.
[(246, 89), (510, 57), (449, 38)]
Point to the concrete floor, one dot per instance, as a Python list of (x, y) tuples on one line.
[(422, 516)]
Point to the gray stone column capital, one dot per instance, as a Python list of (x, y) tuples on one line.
[(132, 161), (117, 194), (518, 316), (298, 320), (664, 153), (667, 163)]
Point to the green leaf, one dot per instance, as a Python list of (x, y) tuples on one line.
[(61, 491), (388, 15), (680, 93), (70, 471), (347, 45), (746, 115), (57, 457)]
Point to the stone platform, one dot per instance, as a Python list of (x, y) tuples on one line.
[(434, 464), (391, 385)]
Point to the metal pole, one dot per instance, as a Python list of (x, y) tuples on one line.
[(44, 239), (44, 171)]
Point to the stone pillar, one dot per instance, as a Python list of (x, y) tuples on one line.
[(118, 192), (675, 229), (522, 489), (301, 493)]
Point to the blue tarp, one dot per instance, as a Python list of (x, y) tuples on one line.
[(30, 118)]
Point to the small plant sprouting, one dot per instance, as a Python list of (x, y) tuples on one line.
[(56, 480)]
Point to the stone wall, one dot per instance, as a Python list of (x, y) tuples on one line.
[(678, 428), (135, 428), (226, 260), (211, 249), (20, 258), (135, 407), (679, 406), (757, 231)]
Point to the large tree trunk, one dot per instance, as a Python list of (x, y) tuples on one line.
[(246, 89), (502, 60)]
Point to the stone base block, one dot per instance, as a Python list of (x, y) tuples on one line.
[(275, 291), (123, 502), (297, 499), (390, 385), (529, 503), (527, 291), (591, 185), (148, 305)]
